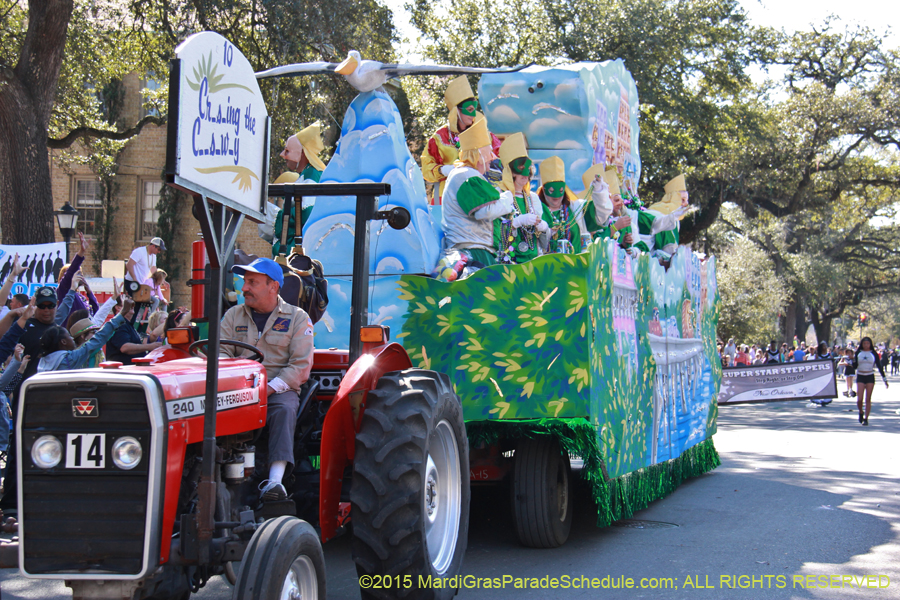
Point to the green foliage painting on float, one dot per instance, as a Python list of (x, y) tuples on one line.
[(578, 338), (511, 338)]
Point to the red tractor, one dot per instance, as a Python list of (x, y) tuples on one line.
[(141, 481)]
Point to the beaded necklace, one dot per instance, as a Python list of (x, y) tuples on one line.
[(562, 220), (528, 232), (507, 233), (454, 137), (632, 201)]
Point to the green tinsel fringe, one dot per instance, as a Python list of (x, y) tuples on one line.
[(617, 498)]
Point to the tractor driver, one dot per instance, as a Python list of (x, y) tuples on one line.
[(284, 335)]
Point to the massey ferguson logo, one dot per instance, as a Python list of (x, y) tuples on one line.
[(85, 407)]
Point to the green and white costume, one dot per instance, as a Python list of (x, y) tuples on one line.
[(651, 226), (574, 215), (516, 245), (656, 230), (470, 206), (309, 175)]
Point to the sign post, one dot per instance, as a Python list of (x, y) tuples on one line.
[(217, 151)]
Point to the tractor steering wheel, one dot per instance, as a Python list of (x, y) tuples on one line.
[(194, 349)]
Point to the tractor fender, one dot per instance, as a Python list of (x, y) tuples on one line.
[(342, 422)]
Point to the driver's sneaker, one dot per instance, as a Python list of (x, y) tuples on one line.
[(272, 491)]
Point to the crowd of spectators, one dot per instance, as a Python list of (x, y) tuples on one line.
[(63, 326), (733, 354)]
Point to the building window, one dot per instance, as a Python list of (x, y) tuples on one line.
[(89, 202), (150, 86), (149, 209)]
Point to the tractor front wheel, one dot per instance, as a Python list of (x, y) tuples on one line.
[(284, 561), (410, 492)]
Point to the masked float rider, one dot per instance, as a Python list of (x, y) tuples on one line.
[(471, 203), (675, 201), (617, 224), (571, 218), (523, 233), (443, 148), (301, 155), (648, 223)]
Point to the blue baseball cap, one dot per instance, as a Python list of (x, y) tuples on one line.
[(264, 266)]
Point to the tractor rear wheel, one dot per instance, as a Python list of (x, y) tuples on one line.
[(284, 561), (541, 493), (410, 492)]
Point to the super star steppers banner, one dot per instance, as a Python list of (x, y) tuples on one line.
[(808, 380)]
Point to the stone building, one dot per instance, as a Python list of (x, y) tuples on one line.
[(139, 181)]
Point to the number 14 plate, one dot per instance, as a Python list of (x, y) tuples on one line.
[(85, 450)]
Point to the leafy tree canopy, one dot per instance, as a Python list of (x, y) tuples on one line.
[(817, 182), (67, 87)]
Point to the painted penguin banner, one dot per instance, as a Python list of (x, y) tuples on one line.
[(807, 380), (42, 264)]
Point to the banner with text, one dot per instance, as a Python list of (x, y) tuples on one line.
[(42, 263), (770, 383)]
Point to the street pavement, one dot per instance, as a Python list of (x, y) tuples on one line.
[(806, 504)]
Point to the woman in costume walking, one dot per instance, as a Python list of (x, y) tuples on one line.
[(865, 362)]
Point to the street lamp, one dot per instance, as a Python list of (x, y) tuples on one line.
[(67, 219)]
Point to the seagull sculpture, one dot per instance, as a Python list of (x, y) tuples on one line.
[(368, 75)]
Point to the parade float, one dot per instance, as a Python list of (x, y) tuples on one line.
[(607, 354), (510, 372)]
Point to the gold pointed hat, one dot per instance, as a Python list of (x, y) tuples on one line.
[(311, 140), (287, 177), (553, 169), (457, 91), (512, 148), (588, 176), (676, 185), (611, 177), (475, 137), (672, 199)]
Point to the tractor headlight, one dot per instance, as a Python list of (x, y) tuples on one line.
[(127, 452), (46, 452)]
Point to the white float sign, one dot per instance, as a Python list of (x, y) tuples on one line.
[(222, 124)]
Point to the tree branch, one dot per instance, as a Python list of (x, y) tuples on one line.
[(92, 132)]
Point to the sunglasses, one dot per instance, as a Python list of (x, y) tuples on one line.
[(46, 306)]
